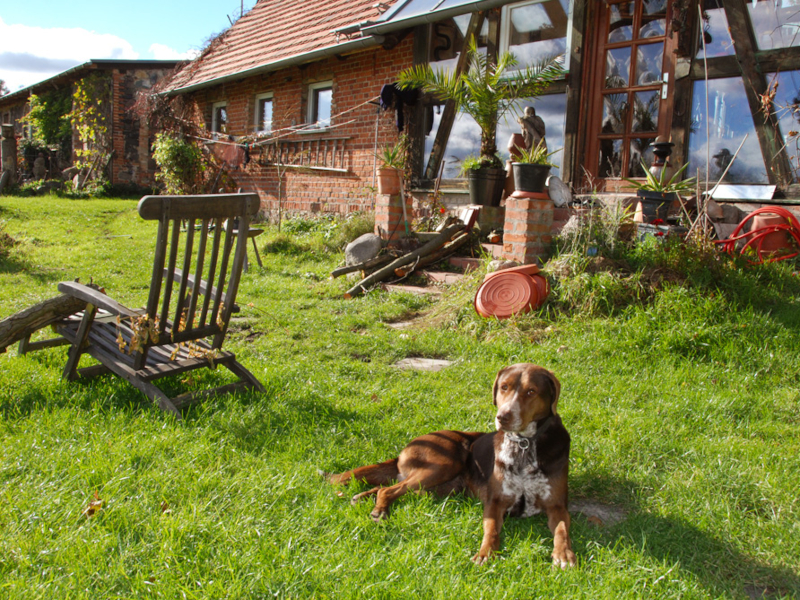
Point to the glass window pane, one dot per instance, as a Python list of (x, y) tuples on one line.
[(615, 113), (322, 106), (464, 141), (649, 62), (620, 27), (265, 114), (776, 23), (220, 121), (719, 134), (654, 19), (447, 40), (640, 151), (552, 108), (716, 35), (538, 31), (610, 158), (465, 137), (645, 111), (618, 64), (787, 109)]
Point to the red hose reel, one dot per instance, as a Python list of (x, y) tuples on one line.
[(768, 235)]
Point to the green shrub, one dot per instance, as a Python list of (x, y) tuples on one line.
[(180, 164)]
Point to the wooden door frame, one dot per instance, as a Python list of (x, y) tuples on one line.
[(592, 108)]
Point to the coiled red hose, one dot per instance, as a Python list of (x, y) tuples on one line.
[(755, 237)]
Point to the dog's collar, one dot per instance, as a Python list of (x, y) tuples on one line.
[(526, 442)]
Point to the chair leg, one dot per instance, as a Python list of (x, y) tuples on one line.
[(76, 349), (246, 376), (258, 256)]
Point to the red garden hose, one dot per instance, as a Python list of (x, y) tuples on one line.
[(755, 237)]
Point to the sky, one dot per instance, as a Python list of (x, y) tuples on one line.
[(41, 38)]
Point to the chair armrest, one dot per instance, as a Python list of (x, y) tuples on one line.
[(95, 297)]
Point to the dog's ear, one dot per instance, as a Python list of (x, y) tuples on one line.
[(496, 383), (555, 390)]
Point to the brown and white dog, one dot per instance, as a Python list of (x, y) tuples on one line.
[(518, 470)]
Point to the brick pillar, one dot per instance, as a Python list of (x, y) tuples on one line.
[(389, 216), (527, 235)]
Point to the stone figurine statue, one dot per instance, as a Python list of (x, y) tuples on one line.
[(532, 128)]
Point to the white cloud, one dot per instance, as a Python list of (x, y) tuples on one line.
[(163, 52), (32, 54)]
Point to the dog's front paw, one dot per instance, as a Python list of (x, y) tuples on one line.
[(378, 515), (565, 558), (481, 558)]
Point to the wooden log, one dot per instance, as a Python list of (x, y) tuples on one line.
[(443, 252), (387, 271), (22, 324), (372, 263)]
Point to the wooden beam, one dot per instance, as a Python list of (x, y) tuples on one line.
[(449, 112), (572, 121), (767, 127)]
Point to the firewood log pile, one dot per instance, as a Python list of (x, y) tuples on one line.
[(452, 237)]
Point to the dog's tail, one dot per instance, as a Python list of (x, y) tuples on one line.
[(378, 474)]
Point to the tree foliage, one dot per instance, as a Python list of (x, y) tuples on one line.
[(180, 164), (3, 88), (49, 115), (90, 117)]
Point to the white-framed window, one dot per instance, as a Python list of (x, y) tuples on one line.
[(320, 101), (263, 113), (219, 117), (536, 29), (7, 118)]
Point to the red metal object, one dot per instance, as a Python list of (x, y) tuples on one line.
[(762, 235)]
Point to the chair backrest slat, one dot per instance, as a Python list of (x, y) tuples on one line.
[(198, 276), (180, 304), (170, 275), (212, 270), (223, 272)]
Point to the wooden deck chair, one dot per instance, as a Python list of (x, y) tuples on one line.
[(187, 316)]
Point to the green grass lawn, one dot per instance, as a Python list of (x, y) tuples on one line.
[(683, 408)]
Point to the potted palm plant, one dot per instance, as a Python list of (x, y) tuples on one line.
[(486, 92), (393, 162), (531, 167), (656, 194)]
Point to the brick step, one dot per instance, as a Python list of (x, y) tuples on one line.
[(442, 277)]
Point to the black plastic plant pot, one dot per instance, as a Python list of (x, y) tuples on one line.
[(486, 186), (529, 177), (655, 205)]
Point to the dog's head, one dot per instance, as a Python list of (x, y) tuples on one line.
[(524, 393)]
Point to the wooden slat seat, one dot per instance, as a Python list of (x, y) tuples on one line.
[(186, 319)]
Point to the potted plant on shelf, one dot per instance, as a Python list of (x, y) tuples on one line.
[(485, 91), (531, 168), (393, 162), (656, 195)]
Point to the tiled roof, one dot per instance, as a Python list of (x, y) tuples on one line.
[(275, 32)]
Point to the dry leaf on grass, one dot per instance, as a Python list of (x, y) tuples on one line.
[(95, 506)]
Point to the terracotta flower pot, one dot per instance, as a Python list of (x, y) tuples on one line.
[(390, 181)]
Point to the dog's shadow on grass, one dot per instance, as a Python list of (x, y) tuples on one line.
[(719, 566)]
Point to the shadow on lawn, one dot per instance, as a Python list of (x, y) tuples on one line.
[(717, 565)]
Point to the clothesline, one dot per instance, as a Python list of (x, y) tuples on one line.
[(288, 130)]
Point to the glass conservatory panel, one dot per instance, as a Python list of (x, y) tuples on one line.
[(776, 23), (716, 35), (716, 134)]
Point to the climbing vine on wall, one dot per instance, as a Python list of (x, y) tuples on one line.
[(90, 116)]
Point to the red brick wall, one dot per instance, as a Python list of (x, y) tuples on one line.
[(357, 78)]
